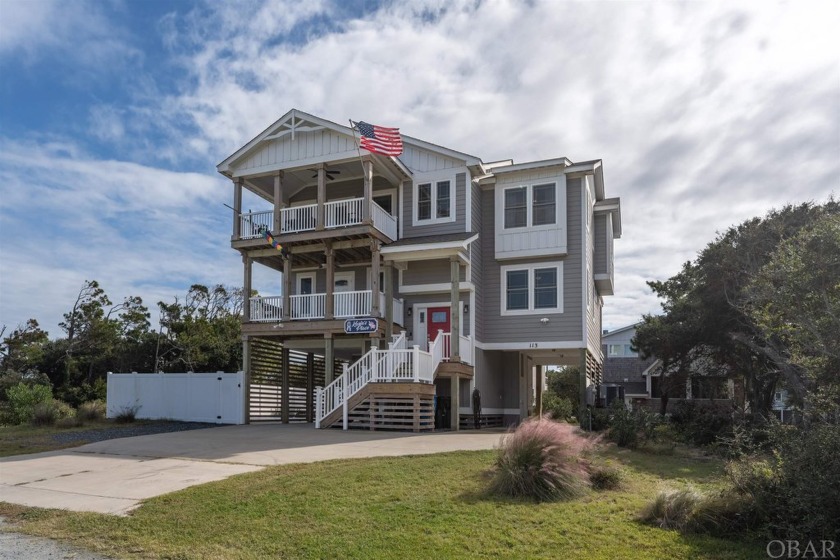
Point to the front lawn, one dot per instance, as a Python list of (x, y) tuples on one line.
[(407, 507)]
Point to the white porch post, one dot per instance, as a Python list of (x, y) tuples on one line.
[(319, 399), (389, 303), (346, 390)]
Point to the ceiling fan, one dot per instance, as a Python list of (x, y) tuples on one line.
[(330, 173)]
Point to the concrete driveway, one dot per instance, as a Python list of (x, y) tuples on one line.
[(114, 476)]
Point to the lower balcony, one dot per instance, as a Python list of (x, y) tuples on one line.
[(346, 305)]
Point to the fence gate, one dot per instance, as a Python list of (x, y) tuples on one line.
[(270, 381)]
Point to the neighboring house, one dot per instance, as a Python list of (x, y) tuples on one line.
[(642, 380), (478, 274)]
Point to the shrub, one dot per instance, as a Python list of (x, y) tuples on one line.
[(701, 424), (46, 413), (624, 425), (605, 477), (599, 418), (559, 408), (69, 422), (126, 414), (540, 460), (78, 394), (23, 398), (671, 509), (91, 410), (10, 378)]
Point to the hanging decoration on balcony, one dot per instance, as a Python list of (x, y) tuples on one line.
[(284, 252)]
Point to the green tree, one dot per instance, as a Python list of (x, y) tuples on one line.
[(706, 308)]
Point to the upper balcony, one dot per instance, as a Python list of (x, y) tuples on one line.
[(337, 214)]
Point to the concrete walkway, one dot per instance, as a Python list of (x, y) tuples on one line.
[(114, 476)]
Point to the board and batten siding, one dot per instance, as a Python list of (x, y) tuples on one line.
[(424, 161), (305, 146), (601, 244), (532, 241), (459, 176), (476, 261), (565, 326)]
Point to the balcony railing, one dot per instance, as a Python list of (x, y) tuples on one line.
[(269, 309), (337, 214)]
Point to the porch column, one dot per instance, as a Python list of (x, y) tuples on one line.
[(237, 207), (284, 385), (374, 280), (539, 408), (246, 369), (389, 303), (455, 299), (329, 307), (246, 289), (310, 387), (524, 373), (582, 367), (367, 166), (455, 407), (287, 287), (278, 200), (322, 195), (329, 359)]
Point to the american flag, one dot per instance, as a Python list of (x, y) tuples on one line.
[(380, 140)]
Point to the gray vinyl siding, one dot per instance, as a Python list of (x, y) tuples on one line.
[(566, 326), (435, 271), (601, 244), (336, 190), (456, 226), (477, 259), (360, 280)]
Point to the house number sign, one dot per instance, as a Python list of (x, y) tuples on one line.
[(355, 326)]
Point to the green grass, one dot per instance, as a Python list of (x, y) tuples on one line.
[(23, 439), (408, 507)]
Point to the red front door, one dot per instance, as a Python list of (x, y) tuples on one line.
[(438, 321)]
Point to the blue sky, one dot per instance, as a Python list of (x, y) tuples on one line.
[(113, 115)]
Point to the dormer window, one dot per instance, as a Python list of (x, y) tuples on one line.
[(434, 201), (530, 205)]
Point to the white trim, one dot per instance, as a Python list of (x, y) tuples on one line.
[(584, 194), (433, 179), (531, 268), (424, 307), (468, 198), (504, 411), (462, 244), (434, 288), (559, 252), (498, 170), (387, 192), (543, 345), (529, 207)]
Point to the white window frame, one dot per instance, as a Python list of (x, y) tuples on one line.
[(558, 265), (300, 277), (434, 180), (611, 350), (529, 206)]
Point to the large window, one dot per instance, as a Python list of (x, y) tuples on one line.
[(533, 288), (528, 206), (435, 202)]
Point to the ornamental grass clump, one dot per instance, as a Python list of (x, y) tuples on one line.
[(541, 460)]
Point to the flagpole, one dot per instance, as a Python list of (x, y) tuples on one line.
[(358, 145)]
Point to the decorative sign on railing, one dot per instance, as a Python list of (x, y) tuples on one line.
[(355, 326)]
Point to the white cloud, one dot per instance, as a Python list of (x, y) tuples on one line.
[(705, 114)]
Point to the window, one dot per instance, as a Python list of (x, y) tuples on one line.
[(435, 202), (544, 205), (517, 289), (532, 289), (516, 207), (527, 206), (615, 350)]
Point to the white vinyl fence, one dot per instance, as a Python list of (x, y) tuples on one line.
[(189, 397)]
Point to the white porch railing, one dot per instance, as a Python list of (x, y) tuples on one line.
[(251, 224), (267, 309), (352, 304), (309, 306), (464, 347), (397, 363), (383, 221), (298, 218), (342, 213)]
